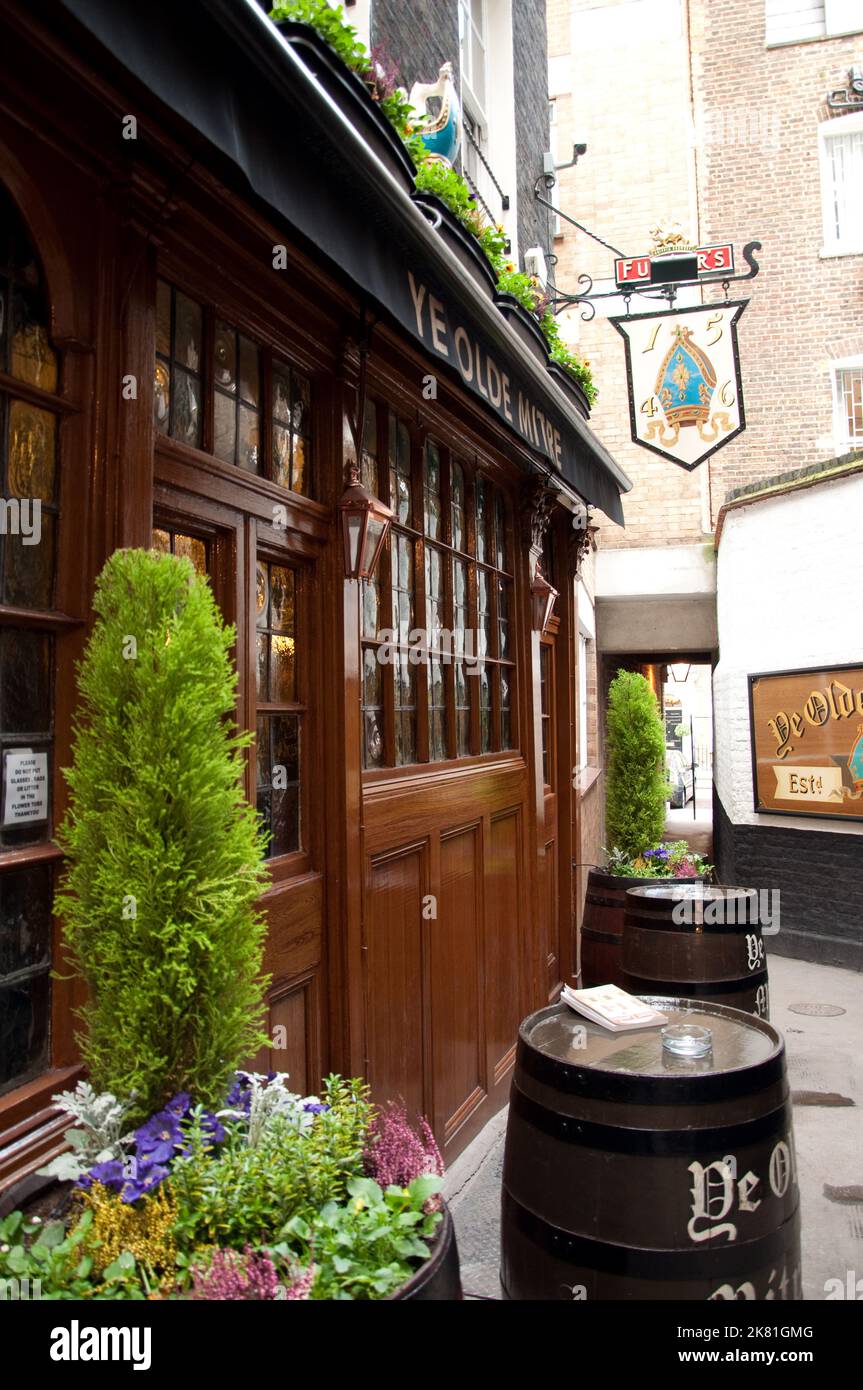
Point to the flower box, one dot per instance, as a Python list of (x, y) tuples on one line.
[(571, 388), (461, 242), (524, 325), (351, 94)]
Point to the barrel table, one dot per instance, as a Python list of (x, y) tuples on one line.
[(695, 941), (634, 1172)]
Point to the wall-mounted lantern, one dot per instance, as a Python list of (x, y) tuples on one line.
[(679, 671), (365, 525), (542, 598)]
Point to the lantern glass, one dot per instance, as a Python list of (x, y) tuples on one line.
[(543, 597), (376, 529)]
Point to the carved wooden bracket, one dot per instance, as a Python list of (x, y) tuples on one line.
[(538, 499), (581, 542)]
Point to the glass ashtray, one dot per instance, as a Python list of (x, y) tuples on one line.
[(687, 1040)]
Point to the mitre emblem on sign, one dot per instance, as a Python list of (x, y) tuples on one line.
[(686, 381), (685, 397)]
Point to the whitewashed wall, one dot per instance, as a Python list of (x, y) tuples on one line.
[(789, 595)]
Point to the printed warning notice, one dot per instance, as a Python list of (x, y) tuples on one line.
[(25, 787)]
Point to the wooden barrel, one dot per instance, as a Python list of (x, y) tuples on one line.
[(632, 1173), (698, 942), (602, 927)]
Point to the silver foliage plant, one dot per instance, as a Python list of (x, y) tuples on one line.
[(270, 1099), (97, 1136)]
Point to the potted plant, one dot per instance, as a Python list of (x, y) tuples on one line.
[(272, 1196), (475, 243), (518, 296), (636, 789), (362, 84), (186, 1177)]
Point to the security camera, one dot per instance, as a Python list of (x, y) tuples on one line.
[(581, 148), (856, 80)]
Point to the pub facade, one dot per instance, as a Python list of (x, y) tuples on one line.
[(214, 290)]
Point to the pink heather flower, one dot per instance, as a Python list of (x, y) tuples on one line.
[(235, 1277), (686, 869), (396, 1153), (300, 1286)]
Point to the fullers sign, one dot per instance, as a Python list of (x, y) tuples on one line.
[(807, 742), (683, 374), (481, 372)]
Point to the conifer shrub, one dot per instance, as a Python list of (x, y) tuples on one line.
[(164, 853), (636, 786)]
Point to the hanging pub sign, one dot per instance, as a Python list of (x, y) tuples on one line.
[(807, 742), (683, 375)]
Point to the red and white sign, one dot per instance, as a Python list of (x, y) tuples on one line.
[(712, 260)]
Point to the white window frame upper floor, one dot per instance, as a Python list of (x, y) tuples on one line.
[(844, 442), (802, 21), (841, 240), (492, 112)]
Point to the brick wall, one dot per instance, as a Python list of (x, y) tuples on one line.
[(625, 85), (759, 178), (420, 37), (531, 117)]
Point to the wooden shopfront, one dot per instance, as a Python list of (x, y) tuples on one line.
[(164, 384)]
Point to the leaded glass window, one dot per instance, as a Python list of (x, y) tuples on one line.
[(29, 480), (438, 660), (242, 403), (280, 711)]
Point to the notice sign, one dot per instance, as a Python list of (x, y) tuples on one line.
[(25, 787), (807, 742)]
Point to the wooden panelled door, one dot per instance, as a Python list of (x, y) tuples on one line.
[(233, 478)]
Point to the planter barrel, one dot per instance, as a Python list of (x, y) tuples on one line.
[(722, 960), (461, 242), (351, 93), (630, 1173), (439, 1279), (524, 325), (571, 388), (602, 926)]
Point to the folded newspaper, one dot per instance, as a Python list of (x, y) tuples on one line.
[(612, 1008)]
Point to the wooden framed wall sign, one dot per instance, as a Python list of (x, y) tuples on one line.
[(807, 742)]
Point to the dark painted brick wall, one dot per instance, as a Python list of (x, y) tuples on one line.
[(419, 35), (530, 49), (820, 878)]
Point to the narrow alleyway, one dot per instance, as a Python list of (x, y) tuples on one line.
[(818, 1008)]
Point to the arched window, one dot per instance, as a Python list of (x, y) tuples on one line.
[(29, 478)]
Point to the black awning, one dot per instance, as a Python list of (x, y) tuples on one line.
[(225, 70)]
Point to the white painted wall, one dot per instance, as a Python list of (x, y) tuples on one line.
[(789, 595)]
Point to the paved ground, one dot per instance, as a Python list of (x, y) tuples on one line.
[(824, 1059)]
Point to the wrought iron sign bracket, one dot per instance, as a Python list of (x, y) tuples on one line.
[(652, 291)]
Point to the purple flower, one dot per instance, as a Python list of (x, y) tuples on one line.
[(146, 1177), (111, 1174), (240, 1095), (211, 1127), (312, 1107), (159, 1138), (180, 1105)]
